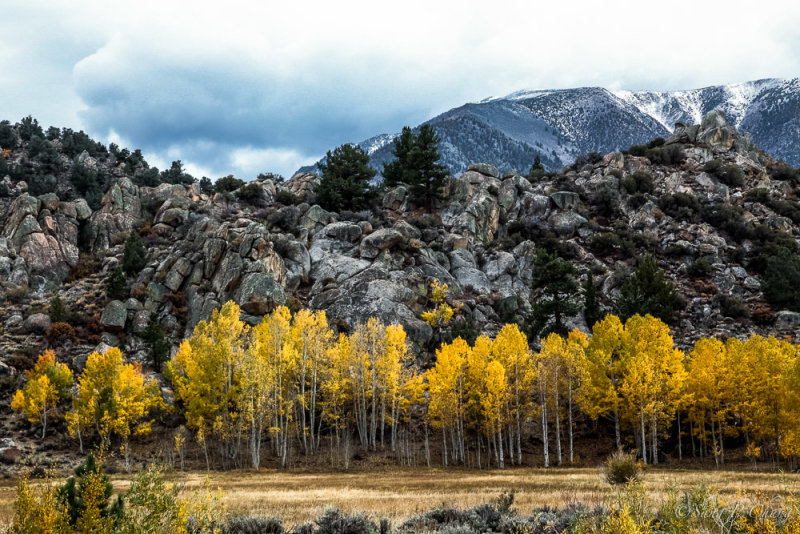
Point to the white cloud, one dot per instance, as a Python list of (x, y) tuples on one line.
[(260, 84)]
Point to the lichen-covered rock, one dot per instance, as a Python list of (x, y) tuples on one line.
[(378, 241), (114, 315), (259, 294), (37, 323)]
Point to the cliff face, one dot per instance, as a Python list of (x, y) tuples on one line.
[(203, 249)]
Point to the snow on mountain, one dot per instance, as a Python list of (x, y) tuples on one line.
[(560, 125)]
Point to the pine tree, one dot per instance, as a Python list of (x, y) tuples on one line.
[(117, 285), (781, 279), (647, 291), (555, 293), (157, 342), (591, 305), (416, 165), (345, 182), (134, 256), (537, 169)]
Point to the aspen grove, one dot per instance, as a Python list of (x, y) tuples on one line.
[(290, 386)]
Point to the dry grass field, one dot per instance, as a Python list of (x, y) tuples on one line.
[(299, 496)]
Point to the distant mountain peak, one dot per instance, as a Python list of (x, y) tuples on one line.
[(559, 125)]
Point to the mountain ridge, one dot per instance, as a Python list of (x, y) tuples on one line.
[(561, 124)]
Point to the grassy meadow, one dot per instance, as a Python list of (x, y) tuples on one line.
[(396, 493)]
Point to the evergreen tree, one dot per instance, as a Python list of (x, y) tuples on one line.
[(117, 285), (781, 280), (537, 169), (415, 165), (555, 293), (647, 291), (345, 183), (157, 342), (134, 256), (591, 304), (72, 493), (58, 311)]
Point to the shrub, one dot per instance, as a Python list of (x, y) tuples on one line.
[(588, 159), (605, 242), (335, 522), (781, 280), (665, 155), (622, 468), (700, 268), (251, 193), (728, 218), (285, 197), (731, 306), (730, 175), (638, 182), (254, 525), (228, 184), (60, 331), (680, 206), (785, 173)]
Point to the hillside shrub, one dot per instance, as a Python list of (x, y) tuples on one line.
[(680, 206), (700, 268), (785, 173), (730, 175), (622, 468), (228, 184), (731, 306), (781, 280), (638, 182), (134, 257), (252, 193), (285, 197), (59, 332)]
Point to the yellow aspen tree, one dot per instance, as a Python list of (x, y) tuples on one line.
[(474, 388), (336, 388), (368, 348), (605, 367), (707, 367), (575, 374), (49, 383), (446, 394), (258, 383), (495, 397), (510, 348), (272, 338), (312, 338), (115, 398), (548, 362), (206, 373), (391, 368), (655, 377), (790, 412), (768, 361)]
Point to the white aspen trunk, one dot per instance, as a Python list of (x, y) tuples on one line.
[(569, 414), (558, 428), (644, 436), (617, 434), (502, 464), (680, 441)]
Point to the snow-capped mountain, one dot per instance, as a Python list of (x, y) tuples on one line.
[(559, 125)]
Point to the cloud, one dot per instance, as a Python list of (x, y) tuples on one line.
[(258, 85)]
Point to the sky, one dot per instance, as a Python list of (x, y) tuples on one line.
[(242, 87)]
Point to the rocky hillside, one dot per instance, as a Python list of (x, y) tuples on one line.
[(708, 204), (561, 125)]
